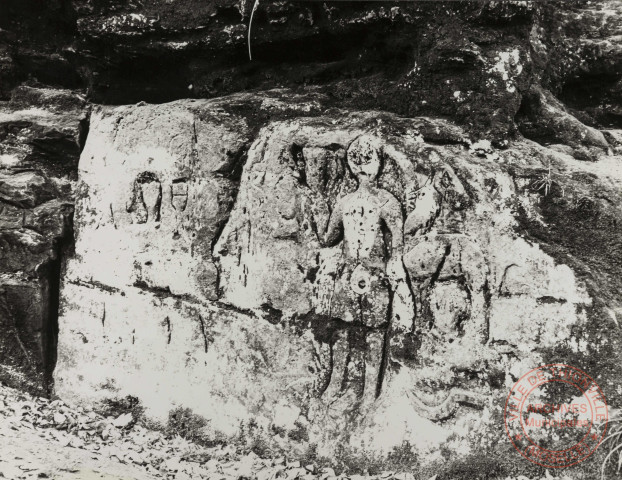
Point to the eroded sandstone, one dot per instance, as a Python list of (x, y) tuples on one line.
[(224, 257), (355, 289)]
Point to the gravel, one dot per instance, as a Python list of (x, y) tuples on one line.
[(40, 438)]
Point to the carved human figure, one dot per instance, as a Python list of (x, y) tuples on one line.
[(146, 198), (449, 274), (370, 222), (441, 256)]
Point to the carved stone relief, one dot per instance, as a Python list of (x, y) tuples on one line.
[(446, 266), (357, 289), (146, 198), (179, 201), (342, 205), (179, 194), (355, 263)]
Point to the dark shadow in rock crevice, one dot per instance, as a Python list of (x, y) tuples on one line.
[(597, 96), (53, 271)]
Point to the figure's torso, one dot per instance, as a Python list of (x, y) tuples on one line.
[(362, 214)]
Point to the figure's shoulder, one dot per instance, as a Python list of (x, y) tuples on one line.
[(349, 198), (343, 201), (388, 199)]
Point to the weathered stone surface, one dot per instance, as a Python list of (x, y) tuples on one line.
[(26, 189), (235, 221), (220, 364), (40, 134), (42, 129), (24, 317), (614, 137), (280, 311), (7, 71), (545, 119), (169, 198)]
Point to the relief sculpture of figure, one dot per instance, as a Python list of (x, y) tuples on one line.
[(360, 291), (448, 274), (442, 256)]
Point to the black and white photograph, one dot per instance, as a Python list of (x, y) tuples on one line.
[(311, 239)]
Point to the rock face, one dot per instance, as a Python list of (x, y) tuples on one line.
[(338, 284), (171, 205), (41, 132), (416, 204)]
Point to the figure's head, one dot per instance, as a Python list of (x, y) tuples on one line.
[(451, 188), (364, 158)]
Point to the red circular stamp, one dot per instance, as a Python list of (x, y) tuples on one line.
[(556, 416)]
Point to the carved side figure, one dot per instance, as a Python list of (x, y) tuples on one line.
[(448, 273), (179, 202), (440, 252)]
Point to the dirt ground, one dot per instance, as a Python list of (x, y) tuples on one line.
[(51, 439)]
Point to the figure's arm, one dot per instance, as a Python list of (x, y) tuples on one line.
[(335, 227), (392, 215), (427, 208)]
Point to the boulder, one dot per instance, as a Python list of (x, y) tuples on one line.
[(357, 288)]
